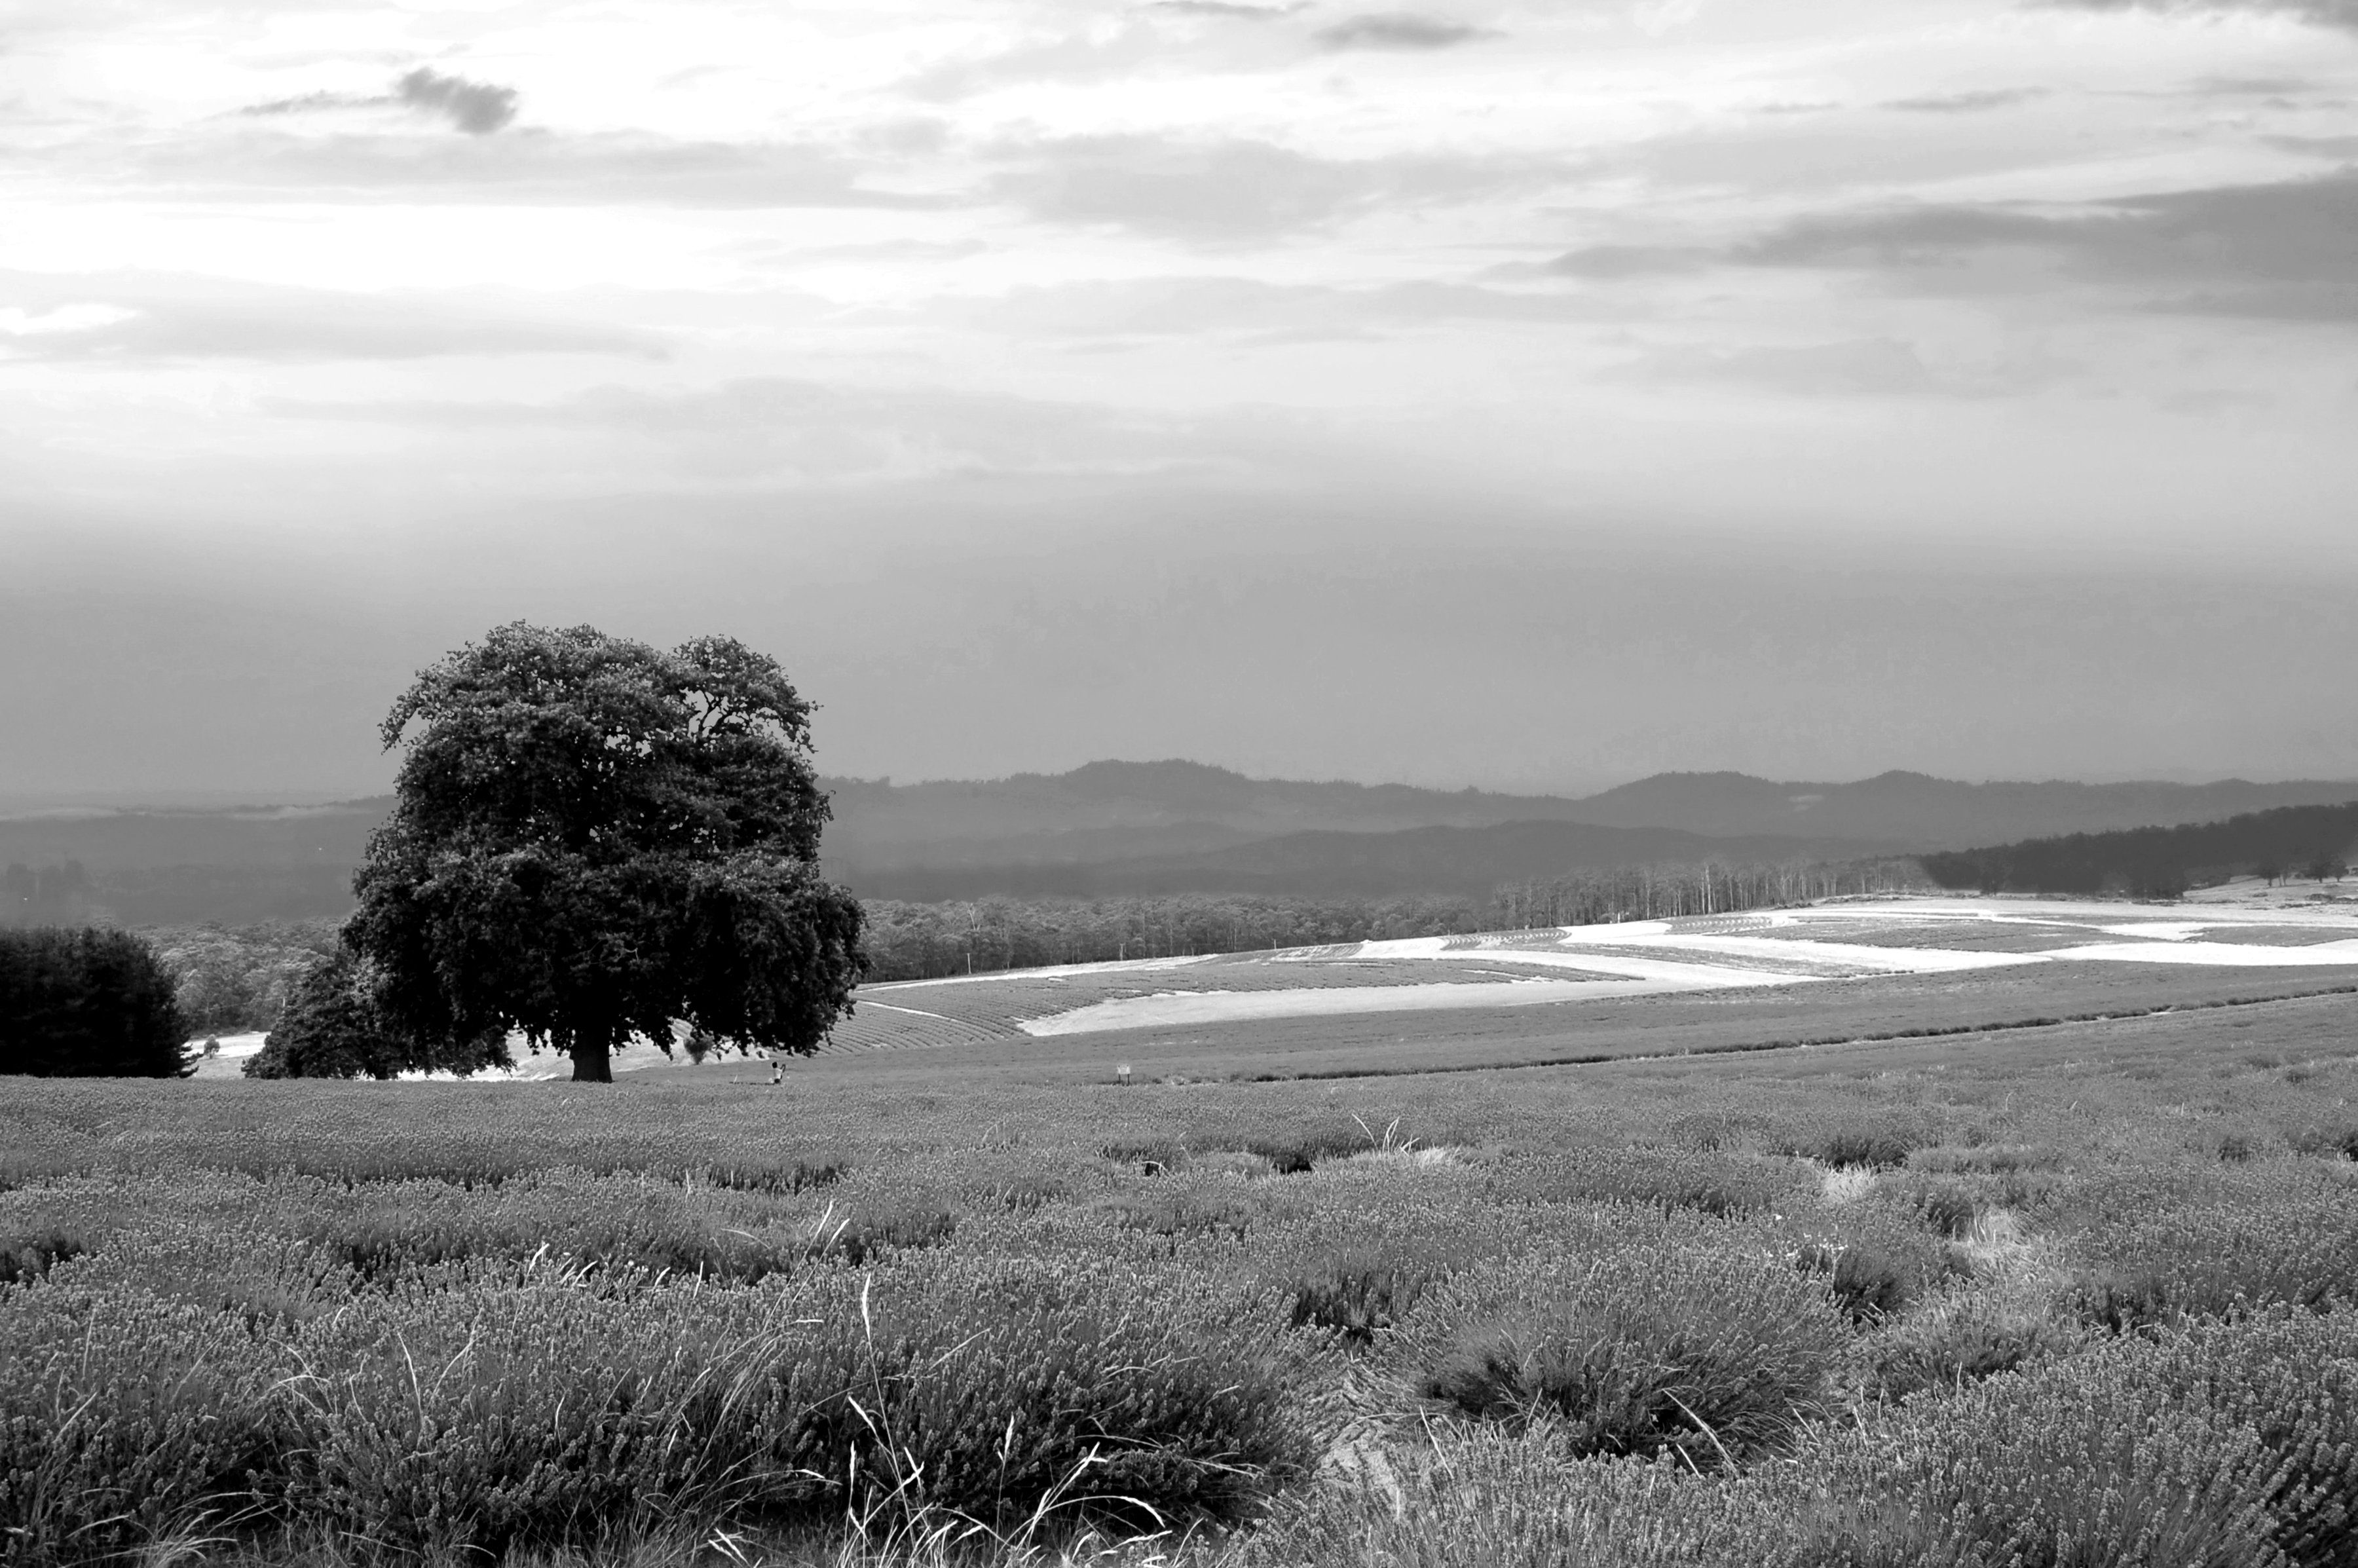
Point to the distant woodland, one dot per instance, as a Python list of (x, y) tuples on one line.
[(910, 941), (2318, 841)]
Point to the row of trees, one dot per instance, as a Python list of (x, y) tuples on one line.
[(2317, 841), (232, 981), (1672, 893), (925, 941)]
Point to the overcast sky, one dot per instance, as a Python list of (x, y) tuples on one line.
[(1529, 395)]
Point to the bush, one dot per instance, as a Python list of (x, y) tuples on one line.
[(2086, 1463), (87, 1004), (994, 1387), (2291, 1376), (1962, 1338), (1494, 1497), (332, 1028), (1710, 1353), (123, 1418), (2278, 1232)]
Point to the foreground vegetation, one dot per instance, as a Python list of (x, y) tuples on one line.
[(1951, 1301)]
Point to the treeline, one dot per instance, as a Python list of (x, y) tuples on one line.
[(234, 981), (2315, 841), (1672, 893), (911, 941)]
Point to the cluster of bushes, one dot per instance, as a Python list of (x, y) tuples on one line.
[(2317, 841), (86, 1003)]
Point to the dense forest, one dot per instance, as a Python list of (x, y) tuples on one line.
[(2315, 841)]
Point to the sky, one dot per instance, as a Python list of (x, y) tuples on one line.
[(1524, 395)]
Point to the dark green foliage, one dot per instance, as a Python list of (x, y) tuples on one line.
[(2292, 1378), (2333, 1140), (1357, 1291), (1875, 1145), (2158, 862), (87, 1004), (2285, 1232), (592, 838), (1958, 1341), (988, 1390), (1721, 1184), (2099, 1460), (1711, 1355), (122, 1417), (28, 1255), (333, 1028), (1866, 1279)]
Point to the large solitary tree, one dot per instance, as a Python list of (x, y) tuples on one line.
[(594, 838)]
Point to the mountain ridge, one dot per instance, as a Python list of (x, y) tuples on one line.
[(1116, 827)]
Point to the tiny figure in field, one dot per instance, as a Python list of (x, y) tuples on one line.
[(777, 1071)]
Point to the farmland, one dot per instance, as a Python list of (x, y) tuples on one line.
[(1963, 1281)]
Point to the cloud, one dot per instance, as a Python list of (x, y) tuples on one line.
[(146, 318), (1252, 309), (622, 169), (1968, 103), (1233, 190), (2317, 12), (1224, 8), (1865, 367), (475, 107), (778, 428), (2278, 250), (1397, 30), (1604, 262)]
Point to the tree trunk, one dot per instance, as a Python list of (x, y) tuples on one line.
[(592, 1064)]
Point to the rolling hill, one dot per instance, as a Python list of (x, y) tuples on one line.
[(1115, 827)]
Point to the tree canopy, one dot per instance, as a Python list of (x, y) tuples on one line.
[(332, 1027), (592, 838), (87, 1004)]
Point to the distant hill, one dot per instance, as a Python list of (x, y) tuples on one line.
[(2294, 841), (1935, 813), (1115, 827)]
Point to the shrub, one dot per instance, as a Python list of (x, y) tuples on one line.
[(1355, 1292), (123, 1418), (87, 1004), (991, 1387), (1961, 1339), (2292, 1378), (1854, 1140), (1712, 1354), (2087, 1462), (1720, 1185), (332, 1028), (545, 1409), (2278, 1232), (1491, 1497)]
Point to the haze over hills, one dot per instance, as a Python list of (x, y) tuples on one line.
[(1115, 828)]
